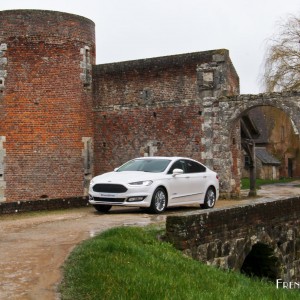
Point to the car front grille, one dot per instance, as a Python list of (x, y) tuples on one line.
[(109, 199), (109, 188)]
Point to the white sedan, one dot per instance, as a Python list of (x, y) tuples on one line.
[(157, 183)]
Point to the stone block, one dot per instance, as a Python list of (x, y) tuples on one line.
[(3, 47), (3, 61), (218, 58)]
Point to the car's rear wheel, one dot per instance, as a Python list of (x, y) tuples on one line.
[(159, 201), (102, 208), (210, 199)]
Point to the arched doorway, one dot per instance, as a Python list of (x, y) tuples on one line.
[(222, 145), (269, 145), (278, 137)]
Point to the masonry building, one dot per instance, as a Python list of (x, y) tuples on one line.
[(64, 119)]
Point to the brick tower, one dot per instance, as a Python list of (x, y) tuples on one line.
[(46, 123)]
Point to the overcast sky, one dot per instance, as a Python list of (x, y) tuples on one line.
[(135, 29)]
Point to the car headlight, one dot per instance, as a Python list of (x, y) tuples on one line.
[(144, 183)]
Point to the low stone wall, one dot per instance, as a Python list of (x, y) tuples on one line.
[(224, 237), (45, 204)]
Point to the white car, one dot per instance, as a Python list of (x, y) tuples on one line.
[(157, 183)]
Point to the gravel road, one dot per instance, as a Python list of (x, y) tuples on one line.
[(34, 246)]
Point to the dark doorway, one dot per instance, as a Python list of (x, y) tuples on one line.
[(261, 262)]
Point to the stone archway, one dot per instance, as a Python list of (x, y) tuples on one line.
[(261, 262), (222, 115)]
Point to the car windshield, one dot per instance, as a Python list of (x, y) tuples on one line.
[(145, 165)]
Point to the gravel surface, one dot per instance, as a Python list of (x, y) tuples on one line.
[(34, 246)]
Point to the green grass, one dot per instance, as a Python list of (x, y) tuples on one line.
[(259, 182), (131, 263)]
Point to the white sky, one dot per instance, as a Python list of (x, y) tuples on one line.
[(135, 29)]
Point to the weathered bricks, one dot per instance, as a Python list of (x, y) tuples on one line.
[(46, 105), (158, 106)]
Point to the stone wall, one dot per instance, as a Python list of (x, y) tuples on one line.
[(223, 144), (170, 78), (224, 237), (157, 106), (42, 204)]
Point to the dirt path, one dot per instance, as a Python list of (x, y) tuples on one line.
[(34, 246)]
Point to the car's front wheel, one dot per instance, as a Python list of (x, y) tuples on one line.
[(159, 201), (102, 208), (210, 199)]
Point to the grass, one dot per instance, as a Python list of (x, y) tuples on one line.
[(131, 263), (259, 182)]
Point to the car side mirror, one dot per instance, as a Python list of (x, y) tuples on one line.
[(177, 172), (116, 169)]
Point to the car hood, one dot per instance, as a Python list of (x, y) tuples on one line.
[(126, 177)]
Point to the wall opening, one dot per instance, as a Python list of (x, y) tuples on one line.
[(85, 64), (261, 262), (2, 169), (263, 148), (87, 155)]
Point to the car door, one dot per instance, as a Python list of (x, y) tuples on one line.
[(197, 178), (178, 184)]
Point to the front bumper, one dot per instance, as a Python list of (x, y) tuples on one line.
[(135, 198)]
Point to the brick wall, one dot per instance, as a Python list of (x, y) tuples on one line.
[(46, 102), (155, 106), (56, 105), (129, 132), (177, 77)]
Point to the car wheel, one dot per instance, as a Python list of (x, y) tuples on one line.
[(210, 199), (102, 208), (159, 201)]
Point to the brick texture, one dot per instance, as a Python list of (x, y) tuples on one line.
[(64, 119), (125, 134), (45, 106), (155, 106)]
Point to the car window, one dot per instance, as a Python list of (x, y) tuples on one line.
[(145, 165), (155, 165), (194, 167), (179, 164)]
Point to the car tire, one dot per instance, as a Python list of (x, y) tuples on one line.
[(159, 201), (210, 199), (102, 208)]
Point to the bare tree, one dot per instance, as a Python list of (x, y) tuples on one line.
[(282, 59)]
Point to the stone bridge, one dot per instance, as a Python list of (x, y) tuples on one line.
[(260, 239)]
